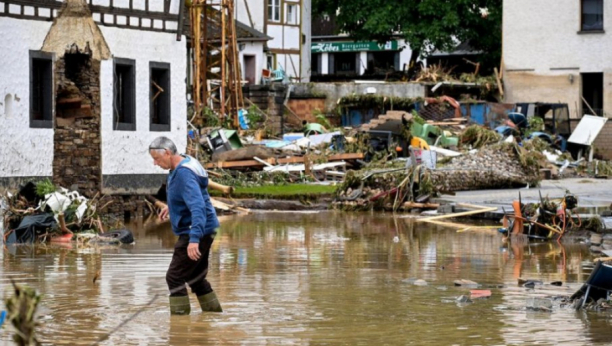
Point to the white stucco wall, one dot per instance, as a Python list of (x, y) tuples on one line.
[(405, 53), (543, 34), (257, 9), (23, 151), (254, 49), (292, 37), (290, 63), (125, 152), (544, 53)]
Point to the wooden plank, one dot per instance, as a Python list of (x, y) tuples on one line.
[(294, 159), (234, 164), (74, 102), (466, 213), (499, 83), (443, 123)]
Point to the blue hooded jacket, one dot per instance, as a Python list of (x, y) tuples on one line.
[(191, 211)]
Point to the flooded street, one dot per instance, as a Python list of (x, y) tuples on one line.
[(311, 279)]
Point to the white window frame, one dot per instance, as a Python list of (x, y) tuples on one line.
[(294, 19), (274, 9)]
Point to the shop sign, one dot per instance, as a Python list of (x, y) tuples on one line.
[(339, 47)]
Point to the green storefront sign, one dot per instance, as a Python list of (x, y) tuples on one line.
[(338, 47)]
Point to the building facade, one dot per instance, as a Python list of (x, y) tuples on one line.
[(85, 87), (288, 23), (334, 54), (558, 52)]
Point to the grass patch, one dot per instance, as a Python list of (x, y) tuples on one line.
[(293, 191)]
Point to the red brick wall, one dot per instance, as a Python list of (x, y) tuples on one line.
[(304, 109)]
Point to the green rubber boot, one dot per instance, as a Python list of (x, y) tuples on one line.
[(180, 305), (209, 302)]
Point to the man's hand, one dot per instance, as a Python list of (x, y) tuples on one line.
[(193, 251), (163, 214)]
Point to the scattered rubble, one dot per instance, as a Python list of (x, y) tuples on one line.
[(41, 212)]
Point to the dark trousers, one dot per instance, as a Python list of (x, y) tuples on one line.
[(183, 270)]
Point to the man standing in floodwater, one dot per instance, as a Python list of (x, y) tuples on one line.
[(193, 220)]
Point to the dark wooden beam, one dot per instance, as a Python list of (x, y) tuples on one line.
[(179, 28), (133, 13), (40, 3)]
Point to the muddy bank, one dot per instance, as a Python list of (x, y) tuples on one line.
[(278, 204)]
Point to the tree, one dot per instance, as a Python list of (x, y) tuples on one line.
[(426, 25)]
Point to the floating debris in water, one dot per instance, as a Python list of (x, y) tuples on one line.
[(465, 283), (420, 283), (539, 304), (478, 294), (463, 299)]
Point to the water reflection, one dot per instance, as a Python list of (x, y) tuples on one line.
[(311, 279)]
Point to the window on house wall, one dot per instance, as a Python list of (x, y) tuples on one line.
[(291, 14), (592, 15), (41, 89), (274, 10), (159, 96), (124, 95), (592, 93)]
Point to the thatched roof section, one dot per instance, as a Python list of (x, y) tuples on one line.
[(75, 27)]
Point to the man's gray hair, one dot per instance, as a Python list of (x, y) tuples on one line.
[(163, 143)]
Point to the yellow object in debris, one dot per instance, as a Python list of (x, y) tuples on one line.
[(419, 143)]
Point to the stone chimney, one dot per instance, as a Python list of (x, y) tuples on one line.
[(75, 27), (79, 47)]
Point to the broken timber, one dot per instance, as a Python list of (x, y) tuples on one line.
[(279, 161)]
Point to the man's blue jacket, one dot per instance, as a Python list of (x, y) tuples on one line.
[(191, 211)]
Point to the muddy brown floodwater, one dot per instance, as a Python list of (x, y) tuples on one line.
[(323, 278)]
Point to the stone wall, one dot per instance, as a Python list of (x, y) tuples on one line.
[(77, 152), (124, 207), (269, 98), (334, 91)]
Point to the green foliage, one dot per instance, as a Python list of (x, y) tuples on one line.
[(322, 119), (21, 312), (293, 189), (417, 118), (378, 102), (426, 25), (478, 136), (536, 144), (254, 116), (44, 187), (536, 124), (210, 118)]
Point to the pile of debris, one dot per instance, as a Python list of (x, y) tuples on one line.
[(498, 166), (42, 212)]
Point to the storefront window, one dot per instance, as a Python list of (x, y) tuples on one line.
[(382, 62), (344, 63)]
